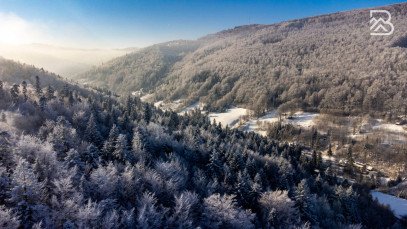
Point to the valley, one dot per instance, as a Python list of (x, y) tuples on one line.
[(301, 123)]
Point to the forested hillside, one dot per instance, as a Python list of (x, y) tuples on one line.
[(328, 62), (67, 161), (16, 73)]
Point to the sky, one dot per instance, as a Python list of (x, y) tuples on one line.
[(139, 23)]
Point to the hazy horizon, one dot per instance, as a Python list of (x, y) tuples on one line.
[(123, 24)]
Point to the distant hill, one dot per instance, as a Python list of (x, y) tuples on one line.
[(321, 62), (14, 72), (61, 60)]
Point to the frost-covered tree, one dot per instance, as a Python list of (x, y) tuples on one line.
[(91, 156), (92, 133), (222, 211), (121, 152), (303, 202), (7, 219), (24, 91), (110, 144), (38, 89), (278, 210), (25, 194), (185, 210), (62, 137), (14, 90), (149, 214)]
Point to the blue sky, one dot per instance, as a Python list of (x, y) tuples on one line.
[(119, 24)]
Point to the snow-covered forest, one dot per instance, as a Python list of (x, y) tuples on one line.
[(326, 63), (82, 158)]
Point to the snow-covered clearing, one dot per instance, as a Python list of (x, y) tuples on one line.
[(398, 205), (173, 106), (230, 117), (299, 119), (388, 127), (192, 107), (302, 119)]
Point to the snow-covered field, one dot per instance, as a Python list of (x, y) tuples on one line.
[(398, 205), (187, 109), (230, 117), (300, 119), (388, 127)]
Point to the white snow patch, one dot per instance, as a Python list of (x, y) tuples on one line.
[(190, 108), (398, 205), (230, 117), (389, 127), (158, 104), (301, 119)]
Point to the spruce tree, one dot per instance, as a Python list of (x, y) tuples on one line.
[(330, 150), (147, 112), (1, 89), (92, 133), (49, 93), (91, 156), (215, 165), (37, 86), (121, 152), (303, 202), (24, 84), (109, 145), (14, 93)]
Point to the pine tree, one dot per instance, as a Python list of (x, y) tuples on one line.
[(138, 139), (303, 202), (6, 162), (62, 138), (1, 89), (109, 146), (349, 161), (92, 133), (319, 160), (24, 84), (91, 156), (147, 113), (314, 159), (255, 192), (242, 189), (215, 165), (6, 156), (25, 193), (43, 103), (330, 150), (121, 151), (38, 89), (8, 219), (50, 93), (14, 93)]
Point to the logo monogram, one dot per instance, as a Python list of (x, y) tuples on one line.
[(380, 27)]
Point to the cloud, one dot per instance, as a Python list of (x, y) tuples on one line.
[(15, 30)]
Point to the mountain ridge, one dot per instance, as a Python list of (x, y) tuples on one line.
[(255, 66)]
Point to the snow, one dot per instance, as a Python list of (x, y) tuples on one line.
[(389, 127), (192, 107), (230, 117), (158, 104), (300, 119), (398, 205)]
